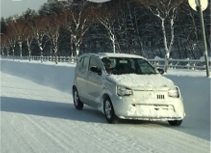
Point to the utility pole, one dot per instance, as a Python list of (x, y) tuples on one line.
[(200, 6)]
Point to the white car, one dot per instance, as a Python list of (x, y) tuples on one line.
[(126, 86)]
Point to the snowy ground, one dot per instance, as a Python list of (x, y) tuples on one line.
[(38, 116)]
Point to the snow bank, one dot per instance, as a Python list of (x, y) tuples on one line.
[(58, 76)]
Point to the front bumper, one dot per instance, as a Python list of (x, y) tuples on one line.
[(149, 109)]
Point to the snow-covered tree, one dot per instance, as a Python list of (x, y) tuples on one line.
[(20, 31), (53, 31), (11, 36), (3, 43), (40, 33), (107, 14), (165, 10), (29, 16), (77, 20)]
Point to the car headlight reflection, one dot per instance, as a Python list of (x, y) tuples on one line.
[(174, 92), (124, 91)]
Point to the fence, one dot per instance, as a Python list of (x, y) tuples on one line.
[(195, 64), (52, 58), (44, 58)]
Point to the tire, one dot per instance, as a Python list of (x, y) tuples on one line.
[(175, 122), (77, 103), (109, 111)]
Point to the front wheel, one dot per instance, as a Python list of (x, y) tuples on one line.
[(77, 103), (175, 122), (109, 111)]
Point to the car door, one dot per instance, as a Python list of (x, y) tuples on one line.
[(81, 79), (94, 81)]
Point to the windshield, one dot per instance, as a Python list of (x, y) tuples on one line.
[(118, 65)]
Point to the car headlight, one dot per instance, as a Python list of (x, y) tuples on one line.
[(174, 92), (124, 91)]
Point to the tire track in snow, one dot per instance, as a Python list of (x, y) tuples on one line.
[(49, 137), (15, 137), (164, 139)]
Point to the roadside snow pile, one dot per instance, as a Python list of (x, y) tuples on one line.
[(58, 76)]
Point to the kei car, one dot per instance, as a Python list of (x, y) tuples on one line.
[(126, 86)]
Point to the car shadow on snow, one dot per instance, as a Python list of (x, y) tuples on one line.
[(50, 109), (88, 114), (134, 122), (60, 110)]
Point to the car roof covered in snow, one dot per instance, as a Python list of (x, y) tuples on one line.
[(102, 55)]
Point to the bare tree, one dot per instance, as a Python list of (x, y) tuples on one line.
[(67, 21), (165, 10), (3, 44), (29, 39), (39, 30), (20, 31), (77, 20), (107, 14), (53, 32), (29, 16), (11, 36)]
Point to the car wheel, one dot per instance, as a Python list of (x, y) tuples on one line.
[(77, 103), (109, 111), (175, 122)]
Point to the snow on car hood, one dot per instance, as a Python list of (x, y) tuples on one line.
[(149, 82)]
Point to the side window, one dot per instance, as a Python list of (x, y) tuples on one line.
[(146, 68), (84, 62), (132, 64), (94, 62), (113, 62)]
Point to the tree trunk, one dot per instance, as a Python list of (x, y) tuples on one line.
[(167, 57), (114, 46), (41, 56), (112, 38), (71, 49), (77, 50), (8, 51), (165, 45), (20, 46), (56, 56), (13, 52), (41, 52), (2, 52), (29, 49)]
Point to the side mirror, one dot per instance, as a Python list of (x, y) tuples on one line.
[(96, 70), (161, 71)]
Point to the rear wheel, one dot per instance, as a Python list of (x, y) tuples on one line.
[(109, 111), (77, 103), (175, 122)]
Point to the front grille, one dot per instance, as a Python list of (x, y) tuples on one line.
[(160, 97)]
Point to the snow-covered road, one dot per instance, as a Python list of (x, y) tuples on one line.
[(39, 117)]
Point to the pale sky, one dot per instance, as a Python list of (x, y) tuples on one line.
[(13, 7)]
